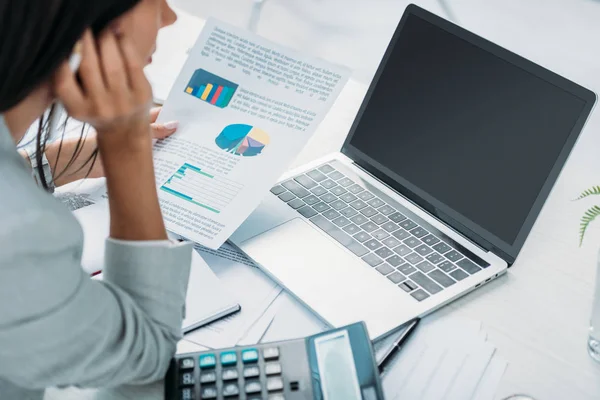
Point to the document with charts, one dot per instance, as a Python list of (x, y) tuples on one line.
[(246, 108)]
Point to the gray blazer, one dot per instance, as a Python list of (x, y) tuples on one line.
[(58, 327)]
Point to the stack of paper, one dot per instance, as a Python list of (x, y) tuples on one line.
[(447, 359)]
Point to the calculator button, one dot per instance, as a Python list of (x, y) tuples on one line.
[(276, 396), (208, 377), (207, 361), (253, 387), (186, 394), (275, 383), (273, 368), (229, 374), (186, 363), (271, 353), (187, 378), (231, 389), (250, 356), (209, 392), (251, 372), (228, 358)]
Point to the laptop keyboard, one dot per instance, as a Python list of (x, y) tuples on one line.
[(402, 251)]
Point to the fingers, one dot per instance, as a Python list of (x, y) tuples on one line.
[(68, 90), (89, 71), (161, 131), (112, 64), (134, 67), (154, 113)]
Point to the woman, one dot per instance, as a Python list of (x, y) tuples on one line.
[(58, 327)]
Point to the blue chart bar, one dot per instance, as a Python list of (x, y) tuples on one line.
[(193, 185)]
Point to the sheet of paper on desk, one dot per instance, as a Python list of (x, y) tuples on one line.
[(254, 292), (246, 108)]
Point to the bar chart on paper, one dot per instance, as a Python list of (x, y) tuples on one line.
[(203, 189), (211, 88)]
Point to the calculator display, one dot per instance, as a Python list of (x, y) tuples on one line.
[(339, 380)]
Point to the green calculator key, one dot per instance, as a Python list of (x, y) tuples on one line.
[(228, 358), (250, 356), (207, 361)]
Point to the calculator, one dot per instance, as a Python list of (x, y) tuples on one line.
[(335, 365)]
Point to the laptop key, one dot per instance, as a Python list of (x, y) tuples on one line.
[(425, 266), (406, 269), (338, 191), (453, 256), (331, 214), (458, 274), (394, 260), (335, 175), (380, 234), (403, 250), (468, 266), (386, 210), (426, 283), (442, 278), (401, 234), (384, 269), (442, 248), (328, 197), (277, 190), (328, 184), (379, 219), (365, 196), (420, 294), (408, 224), (320, 207), (413, 258), (348, 212), (316, 175), (423, 250), (311, 199), (362, 236), (348, 197), (339, 235), (287, 196), (391, 242), (345, 182), (307, 212), (372, 244), (396, 277), (446, 266), (305, 181), (430, 240), (390, 226), (369, 226), (296, 204), (351, 229), (358, 204), (359, 219), (296, 188), (397, 217), (355, 189), (419, 232), (341, 221), (376, 203), (372, 260), (368, 212), (435, 258), (319, 191), (408, 286), (338, 205), (326, 169), (412, 242), (384, 252)]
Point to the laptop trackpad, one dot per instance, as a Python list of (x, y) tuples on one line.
[(329, 279)]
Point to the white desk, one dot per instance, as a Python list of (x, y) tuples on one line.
[(538, 314)]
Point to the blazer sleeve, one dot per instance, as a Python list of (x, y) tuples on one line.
[(58, 327)]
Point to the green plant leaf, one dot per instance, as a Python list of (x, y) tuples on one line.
[(587, 218), (594, 190)]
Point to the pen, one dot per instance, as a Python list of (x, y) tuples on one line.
[(397, 344)]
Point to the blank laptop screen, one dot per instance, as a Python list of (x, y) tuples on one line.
[(459, 124)]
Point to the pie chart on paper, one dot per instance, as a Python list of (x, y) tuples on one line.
[(243, 140)]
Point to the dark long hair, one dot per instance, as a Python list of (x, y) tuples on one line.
[(36, 36)]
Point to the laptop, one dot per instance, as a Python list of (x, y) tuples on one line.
[(450, 159)]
